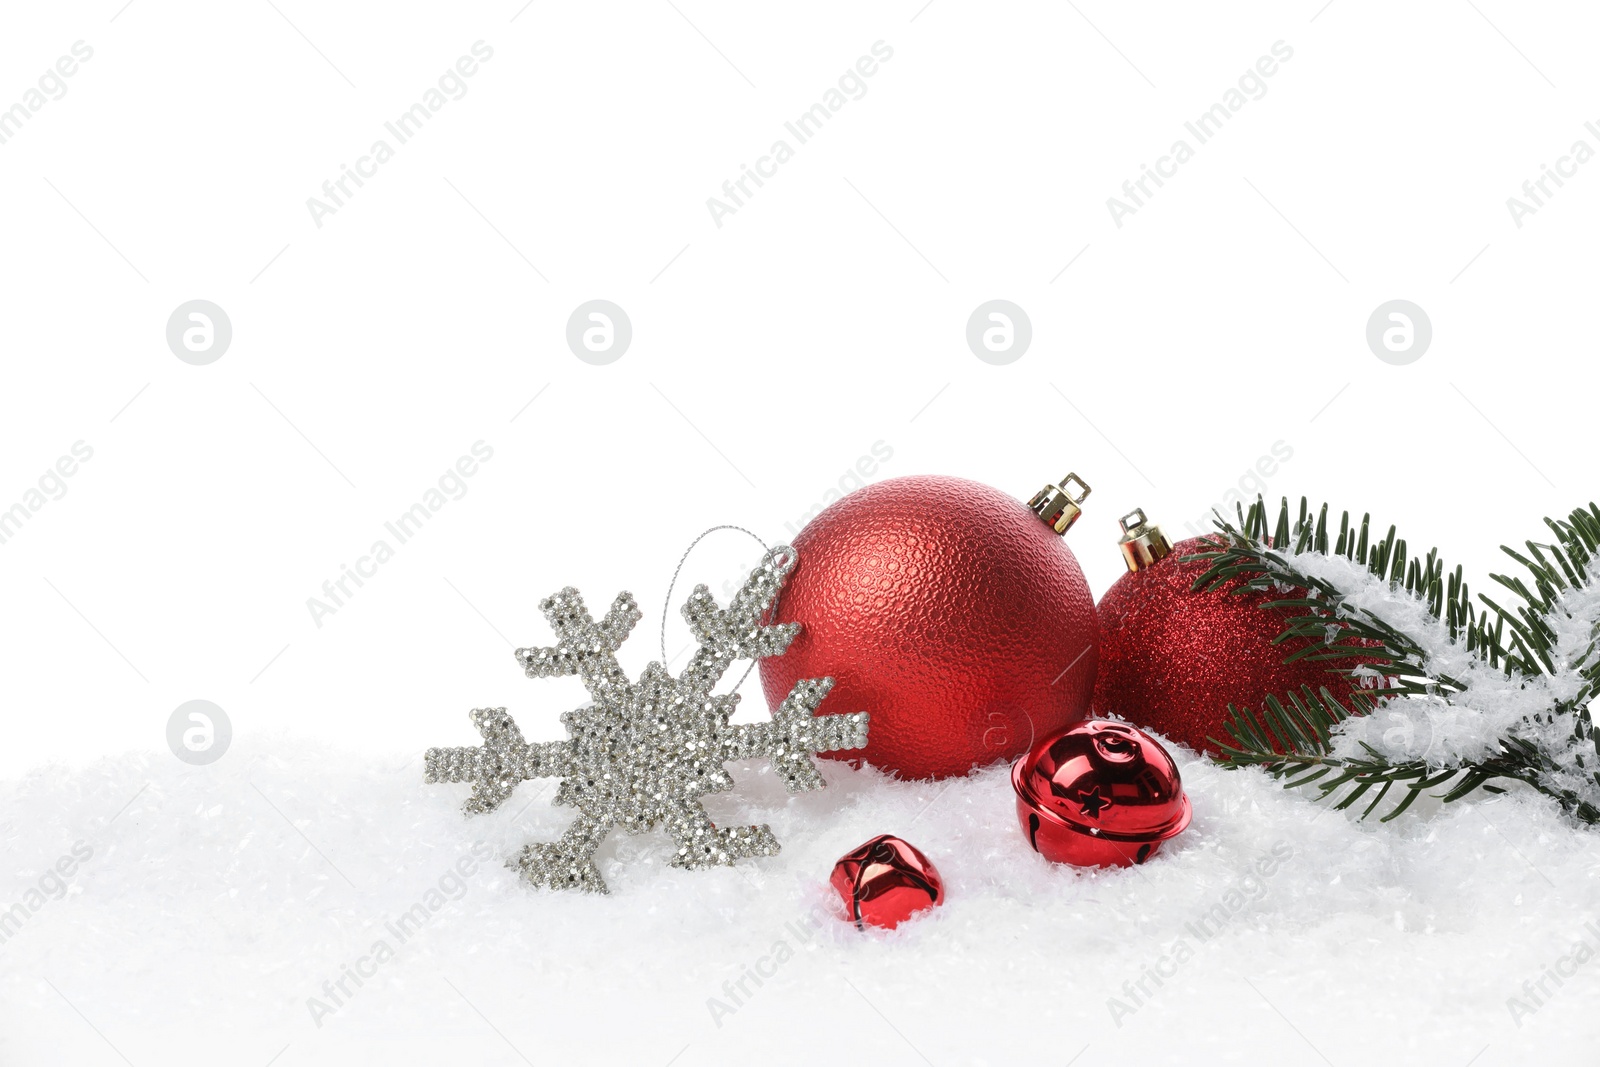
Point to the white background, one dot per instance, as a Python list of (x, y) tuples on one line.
[(768, 354)]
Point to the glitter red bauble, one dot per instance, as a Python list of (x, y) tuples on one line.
[(1171, 659), (950, 612)]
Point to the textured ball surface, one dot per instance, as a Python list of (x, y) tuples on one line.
[(1171, 660), (948, 611)]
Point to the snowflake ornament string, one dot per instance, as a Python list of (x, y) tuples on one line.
[(644, 753)]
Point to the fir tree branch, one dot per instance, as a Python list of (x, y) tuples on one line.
[(1295, 739), (1242, 559)]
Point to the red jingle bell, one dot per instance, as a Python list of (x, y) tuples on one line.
[(1101, 794), (886, 881)]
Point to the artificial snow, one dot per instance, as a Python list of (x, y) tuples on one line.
[(293, 905)]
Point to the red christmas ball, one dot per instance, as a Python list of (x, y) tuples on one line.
[(1172, 659), (952, 612)]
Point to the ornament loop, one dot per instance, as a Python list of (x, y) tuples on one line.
[(1142, 541), (781, 558), (1083, 488), (1058, 505)]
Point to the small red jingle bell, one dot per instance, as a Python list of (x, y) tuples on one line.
[(886, 881), (1100, 794)]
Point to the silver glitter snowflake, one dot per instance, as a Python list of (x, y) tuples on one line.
[(645, 752)]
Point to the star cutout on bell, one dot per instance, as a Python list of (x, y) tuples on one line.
[(1091, 802)]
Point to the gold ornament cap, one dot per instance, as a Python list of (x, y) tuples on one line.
[(1142, 542), (1059, 505)]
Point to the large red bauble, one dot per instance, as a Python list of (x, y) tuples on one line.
[(1171, 659), (950, 612)]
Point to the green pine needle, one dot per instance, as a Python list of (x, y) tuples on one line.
[(1293, 738)]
